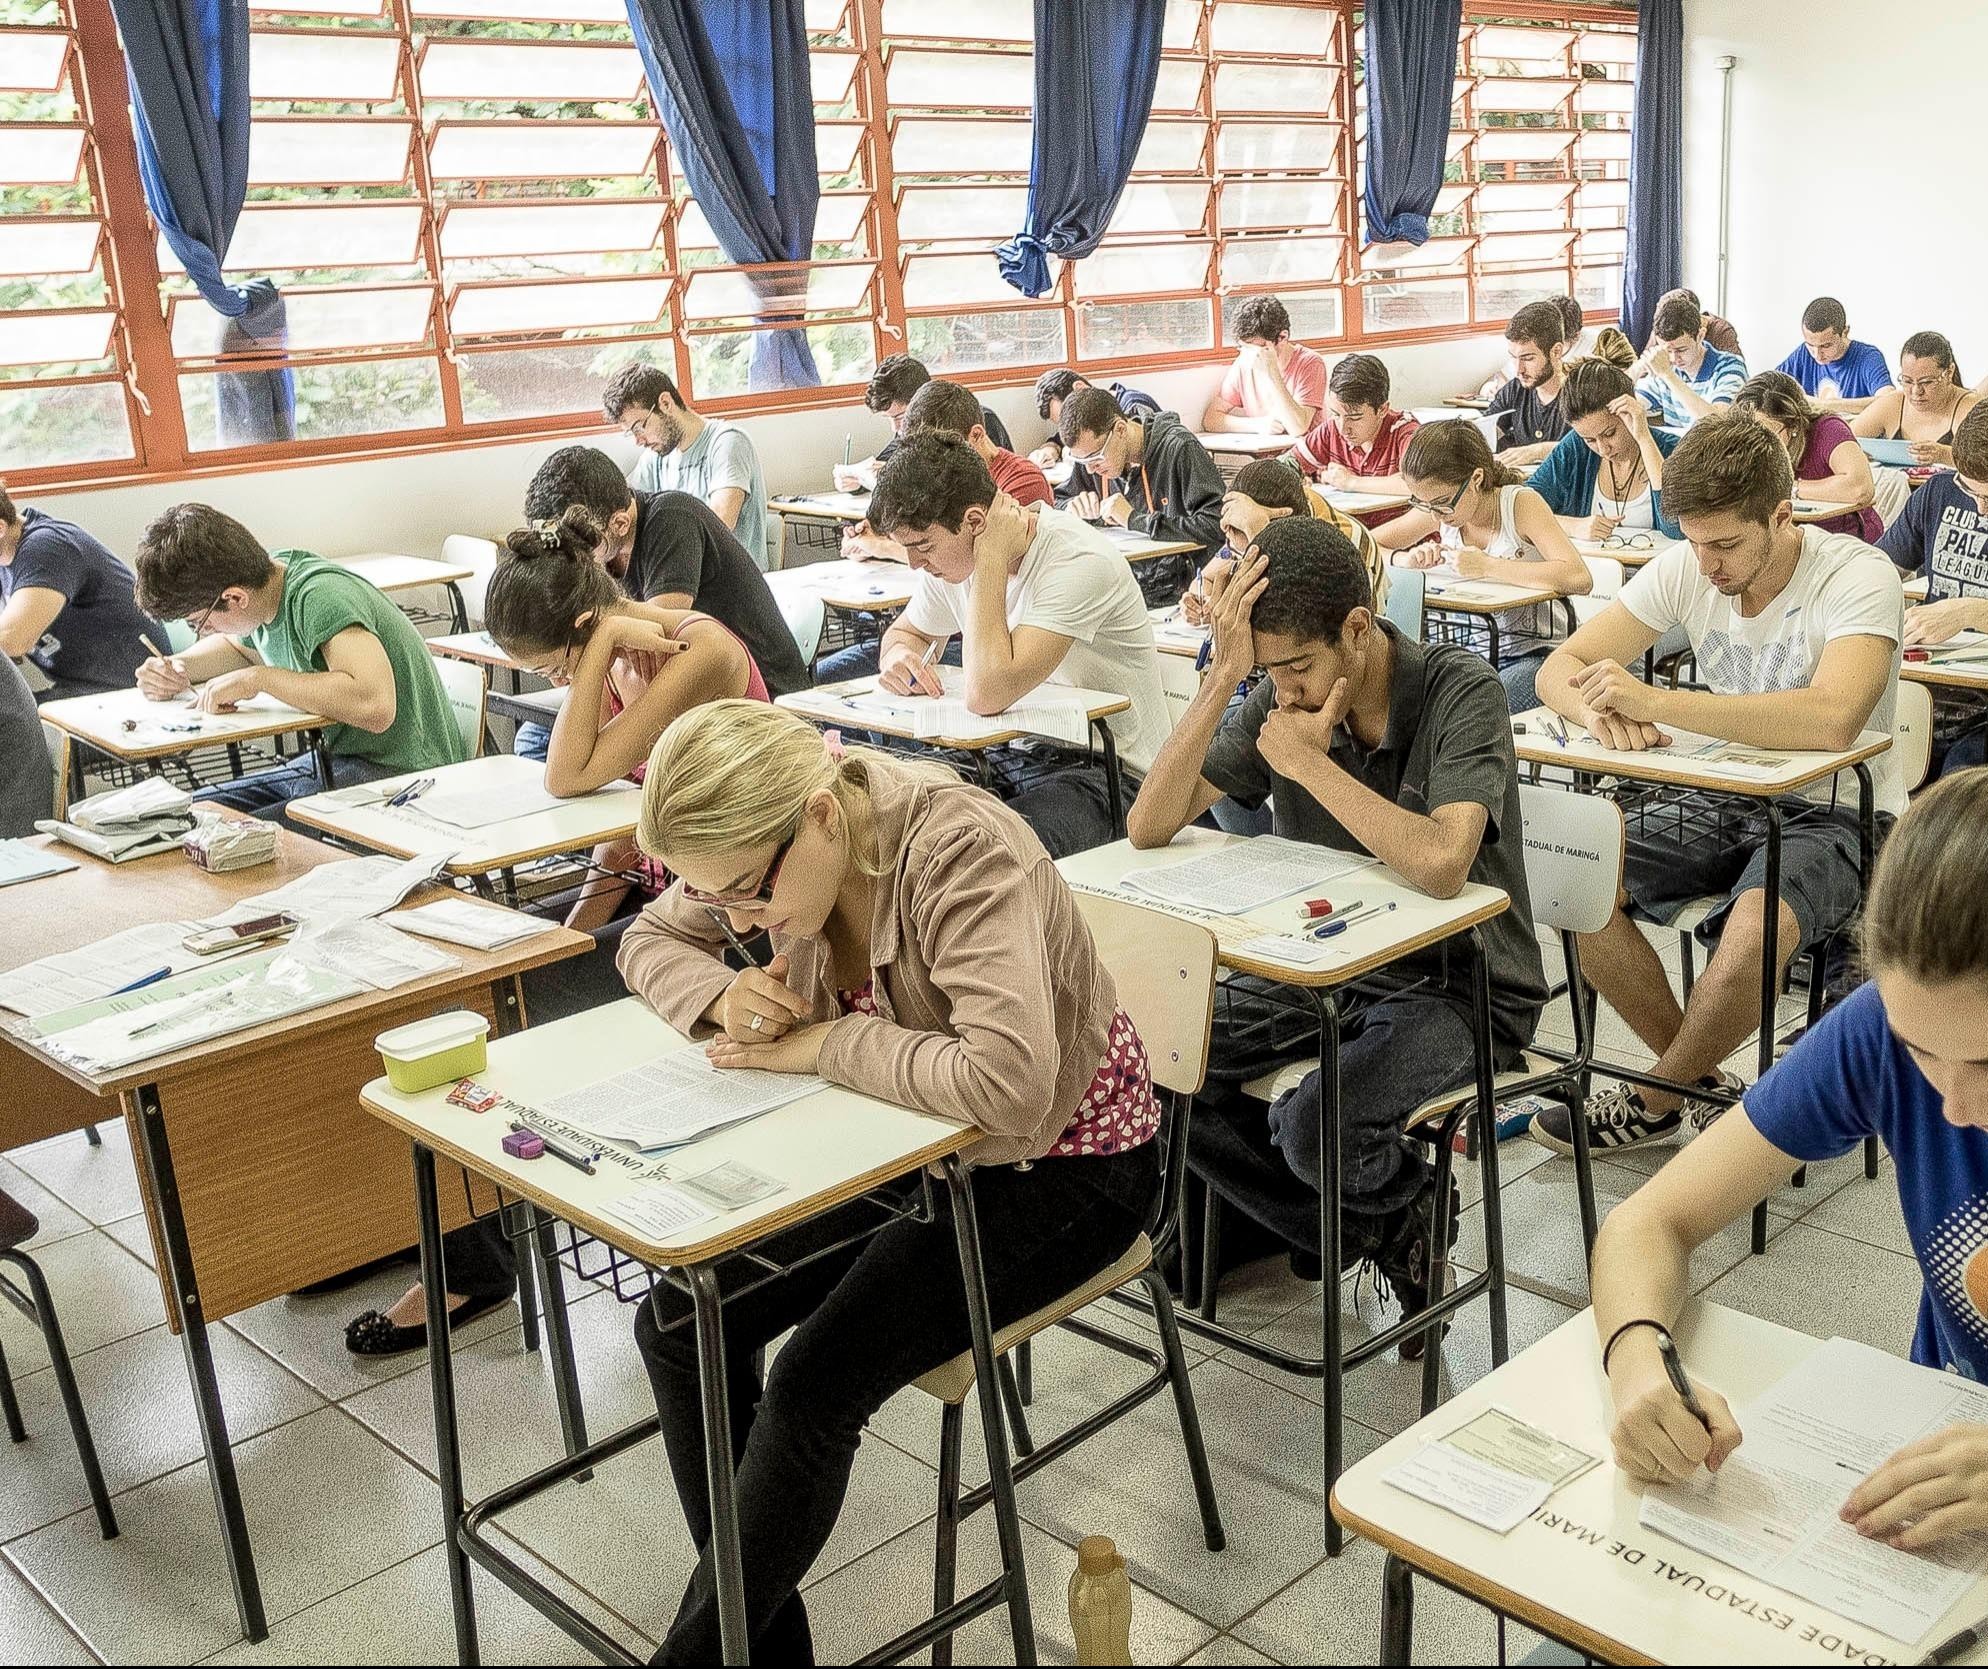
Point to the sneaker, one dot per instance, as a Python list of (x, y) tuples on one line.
[(1701, 1115), (1616, 1118), (1407, 1253)]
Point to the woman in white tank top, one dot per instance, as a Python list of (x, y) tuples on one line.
[(1472, 514)]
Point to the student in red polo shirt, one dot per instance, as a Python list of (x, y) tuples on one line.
[(1357, 446)]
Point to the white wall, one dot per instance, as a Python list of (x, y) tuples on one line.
[(411, 504), (1837, 188)]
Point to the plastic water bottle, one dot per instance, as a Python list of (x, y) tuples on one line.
[(1101, 1603)]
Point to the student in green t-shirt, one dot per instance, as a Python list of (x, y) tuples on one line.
[(303, 631)]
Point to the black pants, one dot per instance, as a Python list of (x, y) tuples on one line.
[(869, 1320)]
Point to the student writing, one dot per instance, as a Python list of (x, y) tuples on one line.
[(68, 605), (927, 952), (1905, 1058)]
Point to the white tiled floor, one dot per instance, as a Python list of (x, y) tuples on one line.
[(334, 1453)]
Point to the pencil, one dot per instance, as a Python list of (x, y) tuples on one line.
[(158, 654)]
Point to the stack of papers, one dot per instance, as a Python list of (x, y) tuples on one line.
[(1062, 715), (469, 806), (369, 953), (1494, 1470), (1811, 1438), (338, 891), (676, 1098), (21, 862), (80, 976), (480, 926), (150, 816), (1245, 876)]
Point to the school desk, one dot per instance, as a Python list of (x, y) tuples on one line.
[(127, 727), (848, 586), (486, 856), (258, 1169), (1760, 789), (816, 521), (1582, 1570), (1484, 601), (1416, 922), (826, 1150), (393, 573)]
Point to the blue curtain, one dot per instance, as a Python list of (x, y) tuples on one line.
[(188, 65), (1411, 80), (730, 79), (1096, 64), (1655, 259)]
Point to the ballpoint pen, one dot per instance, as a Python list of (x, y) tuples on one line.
[(1339, 924), (413, 791), (142, 981)]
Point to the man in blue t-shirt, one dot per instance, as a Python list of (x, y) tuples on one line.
[(66, 604), (1836, 373)]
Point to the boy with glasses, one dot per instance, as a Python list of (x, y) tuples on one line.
[(303, 631), (685, 452), (1161, 481)]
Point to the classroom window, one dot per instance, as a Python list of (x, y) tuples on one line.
[(474, 220)]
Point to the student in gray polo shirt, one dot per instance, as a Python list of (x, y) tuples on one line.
[(1363, 740)]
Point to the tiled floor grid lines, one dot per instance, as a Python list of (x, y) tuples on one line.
[(335, 1454)]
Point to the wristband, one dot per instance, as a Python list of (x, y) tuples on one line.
[(1614, 1338)]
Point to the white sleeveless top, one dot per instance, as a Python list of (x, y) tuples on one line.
[(1547, 622)]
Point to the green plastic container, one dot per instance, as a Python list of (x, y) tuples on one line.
[(437, 1050)]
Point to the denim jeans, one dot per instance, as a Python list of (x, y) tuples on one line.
[(869, 1319), (1394, 1054), (532, 741), (266, 791), (859, 660)]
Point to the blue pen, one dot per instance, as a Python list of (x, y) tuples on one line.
[(413, 791), (1343, 922), (1201, 654), (144, 980)]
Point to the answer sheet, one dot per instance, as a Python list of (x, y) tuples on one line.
[(1810, 1438), (1062, 715), (676, 1098), (480, 926), (1245, 876), (21, 862), (477, 806), (81, 976), (339, 891)]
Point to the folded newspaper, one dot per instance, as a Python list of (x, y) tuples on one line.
[(149, 816)]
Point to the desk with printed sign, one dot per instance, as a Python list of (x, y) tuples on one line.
[(484, 849), (1759, 776), (1582, 1570), (128, 727), (1248, 944), (828, 1149), (392, 573), (240, 1209)]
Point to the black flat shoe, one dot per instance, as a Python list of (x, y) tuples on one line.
[(372, 1334)]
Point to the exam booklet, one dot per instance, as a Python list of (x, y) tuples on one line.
[(1810, 1438)]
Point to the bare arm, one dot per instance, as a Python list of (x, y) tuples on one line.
[(726, 503), (1285, 411), (1559, 564), (1880, 415), (29, 613), (1406, 531), (1848, 481), (586, 754), (356, 688)]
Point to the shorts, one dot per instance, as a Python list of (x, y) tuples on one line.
[(1666, 867)]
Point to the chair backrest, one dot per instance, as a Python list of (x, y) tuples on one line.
[(467, 685), (1180, 681), (1912, 733), (479, 555), (1164, 969), (1606, 572), (805, 614), (1402, 607), (1891, 492), (1573, 857)]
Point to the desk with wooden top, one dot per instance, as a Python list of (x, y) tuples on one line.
[(1446, 592), (391, 572), (1824, 510), (1361, 505), (1759, 776), (258, 1169), (1582, 1570), (1367, 946), (831, 704), (848, 586), (817, 521), (1245, 444), (479, 649), (1631, 557), (485, 856), (828, 1150), (128, 727)]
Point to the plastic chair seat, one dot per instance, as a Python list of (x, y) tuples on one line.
[(950, 1381)]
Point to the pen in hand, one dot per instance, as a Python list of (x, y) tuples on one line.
[(1674, 1366)]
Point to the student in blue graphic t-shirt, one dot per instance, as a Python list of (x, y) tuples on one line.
[(1836, 373), (1904, 1059)]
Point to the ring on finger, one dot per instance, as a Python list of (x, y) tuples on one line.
[(758, 1020)]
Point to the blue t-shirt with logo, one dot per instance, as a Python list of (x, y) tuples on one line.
[(1851, 1078), (1859, 374), (1943, 535)]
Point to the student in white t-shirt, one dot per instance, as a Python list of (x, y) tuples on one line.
[(1796, 634), (1038, 596)]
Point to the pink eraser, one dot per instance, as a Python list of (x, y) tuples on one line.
[(524, 1144)]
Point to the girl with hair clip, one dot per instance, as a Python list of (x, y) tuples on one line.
[(928, 953), (630, 668), (1927, 405), (1469, 511), (1905, 1059)]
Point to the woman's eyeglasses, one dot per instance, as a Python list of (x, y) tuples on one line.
[(1439, 506), (1629, 542), (761, 894)]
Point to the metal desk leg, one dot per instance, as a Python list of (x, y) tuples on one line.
[(458, 609), (1397, 1611), (1487, 1151), (1770, 981), (442, 1395), (1001, 1478), (1114, 783), (158, 1161), (720, 1477), (1491, 628), (559, 1335), (1330, 1212), (321, 751)]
